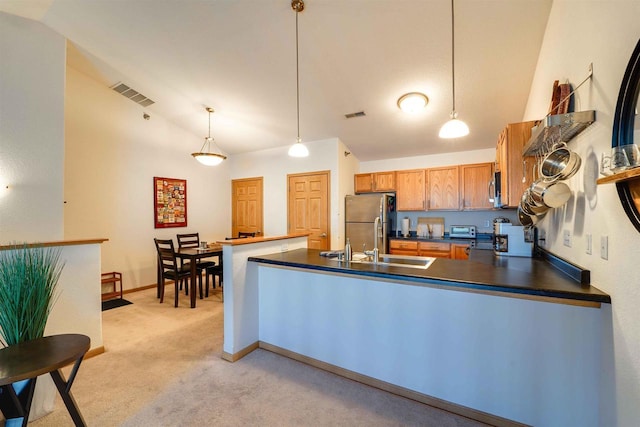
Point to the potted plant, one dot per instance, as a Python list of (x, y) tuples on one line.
[(28, 279)]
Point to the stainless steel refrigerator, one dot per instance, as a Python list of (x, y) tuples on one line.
[(361, 226)]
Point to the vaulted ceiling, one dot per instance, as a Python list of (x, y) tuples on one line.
[(239, 57)]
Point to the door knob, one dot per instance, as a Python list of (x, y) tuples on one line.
[(323, 235)]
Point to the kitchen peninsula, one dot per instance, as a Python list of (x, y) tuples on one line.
[(503, 344)]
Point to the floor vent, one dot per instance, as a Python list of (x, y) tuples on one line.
[(133, 95), (352, 115)]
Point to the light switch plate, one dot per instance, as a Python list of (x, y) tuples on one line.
[(589, 248), (566, 238), (604, 247)]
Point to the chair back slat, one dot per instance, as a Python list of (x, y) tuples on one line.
[(191, 240), (166, 254)]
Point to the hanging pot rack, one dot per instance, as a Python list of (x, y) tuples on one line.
[(559, 126)]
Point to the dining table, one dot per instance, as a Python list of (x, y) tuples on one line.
[(193, 255)]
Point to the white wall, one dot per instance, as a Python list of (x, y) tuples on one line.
[(432, 161), (32, 67), (112, 155), (603, 33), (274, 165)]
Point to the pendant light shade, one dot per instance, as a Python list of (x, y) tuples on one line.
[(454, 128), (298, 149), (208, 158)]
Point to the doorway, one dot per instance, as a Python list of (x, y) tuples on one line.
[(246, 206), (308, 207)]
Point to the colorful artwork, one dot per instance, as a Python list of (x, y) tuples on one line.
[(170, 202)]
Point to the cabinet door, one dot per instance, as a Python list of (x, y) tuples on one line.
[(410, 187), (443, 189), (459, 251), (384, 181), (363, 182), (511, 143), (475, 186), (434, 249), (403, 247)]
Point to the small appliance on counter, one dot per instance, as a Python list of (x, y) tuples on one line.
[(462, 232), (510, 240)]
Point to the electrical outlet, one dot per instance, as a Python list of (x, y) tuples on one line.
[(604, 247), (566, 238), (284, 248), (589, 244), (487, 224), (542, 237)]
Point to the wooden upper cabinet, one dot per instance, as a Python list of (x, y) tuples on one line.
[(375, 182), (443, 191), (363, 182), (474, 182), (510, 163), (410, 190)]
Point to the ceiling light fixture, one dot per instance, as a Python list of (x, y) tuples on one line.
[(454, 128), (298, 149), (207, 157), (413, 102)]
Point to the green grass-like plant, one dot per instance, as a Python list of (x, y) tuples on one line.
[(28, 279)]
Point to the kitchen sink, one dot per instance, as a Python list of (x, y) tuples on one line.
[(387, 260)]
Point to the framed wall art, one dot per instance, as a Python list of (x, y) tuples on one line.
[(170, 202)]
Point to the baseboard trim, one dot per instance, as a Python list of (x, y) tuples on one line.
[(229, 357), (94, 352), (464, 411), (141, 288)]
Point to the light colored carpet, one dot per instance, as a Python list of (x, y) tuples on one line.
[(162, 367)]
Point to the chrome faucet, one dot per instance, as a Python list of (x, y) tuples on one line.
[(375, 253)]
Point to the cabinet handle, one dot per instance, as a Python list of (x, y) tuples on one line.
[(524, 170)]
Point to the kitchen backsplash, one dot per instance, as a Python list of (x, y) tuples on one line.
[(483, 220)]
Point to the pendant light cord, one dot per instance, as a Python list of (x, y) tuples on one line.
[(297, 79), (453, 55)]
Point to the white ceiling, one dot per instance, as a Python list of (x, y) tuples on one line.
[(238, 56)]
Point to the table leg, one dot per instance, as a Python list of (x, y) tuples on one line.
[(64, 388), (192, 285), (17, 406)]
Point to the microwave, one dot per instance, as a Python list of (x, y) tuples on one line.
[(495, 190), (462, 232)]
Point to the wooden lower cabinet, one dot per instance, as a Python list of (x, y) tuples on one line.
[(434, 249), (459, 251), (403, 247)]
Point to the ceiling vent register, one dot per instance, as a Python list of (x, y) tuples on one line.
[(132, 94)]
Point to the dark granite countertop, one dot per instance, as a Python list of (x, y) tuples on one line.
[(483, 272)]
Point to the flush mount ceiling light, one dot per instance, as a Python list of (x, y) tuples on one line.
[(298, 149), (207, 157), (413, 102), (454, 128)]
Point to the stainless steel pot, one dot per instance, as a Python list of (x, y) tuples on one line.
[(549, 193), (561, 163), (530, 206), (528, 220)]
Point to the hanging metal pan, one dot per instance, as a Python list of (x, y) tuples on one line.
[(549, 193), (560, 163)]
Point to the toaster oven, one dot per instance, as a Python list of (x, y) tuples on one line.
[(462, 232)]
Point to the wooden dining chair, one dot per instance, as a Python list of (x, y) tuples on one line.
[(192, 240), (169, 268)]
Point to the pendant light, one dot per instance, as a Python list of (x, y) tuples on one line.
[(207, 157), (298, 149), (454, 128)]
